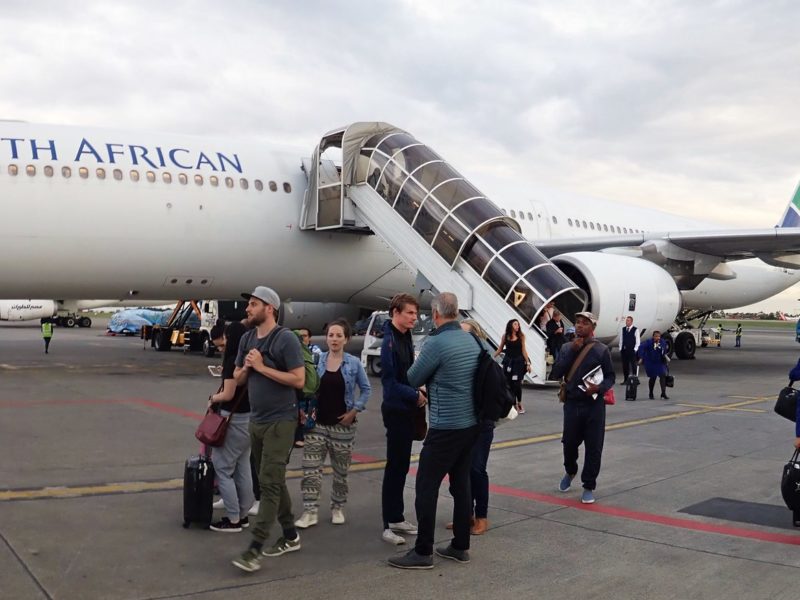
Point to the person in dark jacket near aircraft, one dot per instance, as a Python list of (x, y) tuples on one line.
[(584, 409), (400, 401), (653, 354)]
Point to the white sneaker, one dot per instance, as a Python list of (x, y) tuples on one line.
[(254, 509), (337, 516), (391, 537), (218, 504), (404, 527), (308, 518)]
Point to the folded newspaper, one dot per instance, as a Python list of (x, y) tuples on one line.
[(593, 377)]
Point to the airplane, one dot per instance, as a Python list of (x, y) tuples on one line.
[(64, 311), (136, 215)]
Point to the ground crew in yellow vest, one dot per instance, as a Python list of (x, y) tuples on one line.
[(47, 333)]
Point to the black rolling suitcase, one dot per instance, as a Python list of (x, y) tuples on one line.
[(198, 491), (790, 486), (631, 385)]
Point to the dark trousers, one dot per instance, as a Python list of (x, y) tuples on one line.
[(738, 341), (46, 344), (584, 422), (662, 380), (399, 436), (445, 452), (479, 478), (628, 363)]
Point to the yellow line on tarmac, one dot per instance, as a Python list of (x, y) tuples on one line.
[(750, 410), (176, 484)]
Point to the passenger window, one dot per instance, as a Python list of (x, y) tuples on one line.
[(30, 170), (229, 182), (213, 180), (591, 225), (151, 177), (48, 171), (530, 217), (83, 172), (555, 221), (259, 184), (198, 179), (101, 173), (273, 187), (513, 214), (166, 177), (624, 230), (605, 227), (287, 187), (243, 183), (134, 175), (182, 178), (118, 174), (521, 216), (585, 226), (569, 222), (503, 210), (66, 172)]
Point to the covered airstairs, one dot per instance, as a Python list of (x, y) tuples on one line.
[(441, 226)]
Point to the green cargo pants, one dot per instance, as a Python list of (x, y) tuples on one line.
[(271, 445)]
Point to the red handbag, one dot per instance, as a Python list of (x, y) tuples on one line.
[(213, 427), (608, 397)]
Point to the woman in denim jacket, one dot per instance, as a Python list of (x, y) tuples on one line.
[(335, 430)]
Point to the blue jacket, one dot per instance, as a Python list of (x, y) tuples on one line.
[(397, 393), (447, 366), (354, 375), (653, 357)]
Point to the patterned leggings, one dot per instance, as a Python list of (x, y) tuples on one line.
[(337, 440)]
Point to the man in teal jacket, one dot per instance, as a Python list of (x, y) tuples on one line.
[(447, 366)]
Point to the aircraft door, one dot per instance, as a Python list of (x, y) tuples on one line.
[(329, 195), (542, 220)]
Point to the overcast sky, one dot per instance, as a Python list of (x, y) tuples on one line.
[(691, 107)]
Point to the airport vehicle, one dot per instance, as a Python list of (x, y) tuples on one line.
[(373, 338), (67, 313), (371, 212)]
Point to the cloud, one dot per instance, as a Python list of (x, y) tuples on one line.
[(685, 106)]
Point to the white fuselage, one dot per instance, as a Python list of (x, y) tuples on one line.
[(114, 214)]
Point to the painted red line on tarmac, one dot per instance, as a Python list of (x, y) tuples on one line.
[(363, 458), (77, 401), (623, 513), (168, 408)]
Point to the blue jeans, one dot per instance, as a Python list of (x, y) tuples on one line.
[(479, 478)]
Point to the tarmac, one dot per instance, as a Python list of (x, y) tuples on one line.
[(94, 435)]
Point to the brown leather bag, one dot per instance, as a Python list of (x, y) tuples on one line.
[(214, 426), (562, 390)]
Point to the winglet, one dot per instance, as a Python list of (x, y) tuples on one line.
[(791, 218)]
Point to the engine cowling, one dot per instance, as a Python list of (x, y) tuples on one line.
[(26, 310), (619, 286)]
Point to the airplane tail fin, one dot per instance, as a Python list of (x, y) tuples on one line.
[(791, 218)]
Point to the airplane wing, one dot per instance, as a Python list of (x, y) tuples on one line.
[(779, 246)]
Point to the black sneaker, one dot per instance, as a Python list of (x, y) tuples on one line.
[(224, 525), (244, 522), (411, 560), (448, 551)]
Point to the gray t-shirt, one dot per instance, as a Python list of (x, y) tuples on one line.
[(271, 401)]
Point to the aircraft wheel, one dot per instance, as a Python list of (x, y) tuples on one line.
[(69, 322), (85, 322), (685, 346), (667, 338)]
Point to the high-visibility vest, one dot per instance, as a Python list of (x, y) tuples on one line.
[(47, 330)]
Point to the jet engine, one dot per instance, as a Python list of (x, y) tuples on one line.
[(618, 286), (26, 310)]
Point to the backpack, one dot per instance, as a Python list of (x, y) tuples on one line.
[(491, 394), (311, 385)]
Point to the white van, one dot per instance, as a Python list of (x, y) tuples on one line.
[(371, 354)]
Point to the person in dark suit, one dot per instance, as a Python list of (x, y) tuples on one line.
[(628, 347), (555, 335)]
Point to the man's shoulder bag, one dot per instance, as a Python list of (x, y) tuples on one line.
[(562, 391)]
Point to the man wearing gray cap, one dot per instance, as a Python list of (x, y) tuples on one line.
[(270, 361), (584, 407)]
